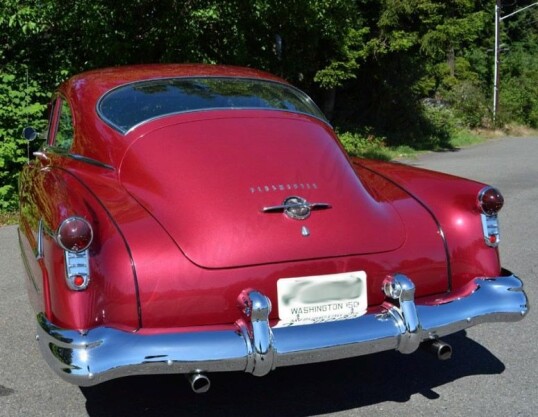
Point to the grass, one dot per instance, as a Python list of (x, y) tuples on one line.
[(465, 138), (8, 218), (376, 148)]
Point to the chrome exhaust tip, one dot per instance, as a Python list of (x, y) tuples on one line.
[(442, 350), (199, 382)]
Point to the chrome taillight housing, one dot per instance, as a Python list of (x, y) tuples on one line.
[(75, 235), (490, 202), (77, 270)]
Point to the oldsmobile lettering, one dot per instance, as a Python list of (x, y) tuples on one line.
[(268, 188)]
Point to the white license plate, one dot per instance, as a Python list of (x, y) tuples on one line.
[(316, 299)]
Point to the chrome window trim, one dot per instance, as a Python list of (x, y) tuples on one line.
[(152, 119), (289, 86)]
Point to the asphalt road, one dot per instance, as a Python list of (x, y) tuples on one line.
[(493, 373)]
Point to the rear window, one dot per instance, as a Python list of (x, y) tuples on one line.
[(130, 105)]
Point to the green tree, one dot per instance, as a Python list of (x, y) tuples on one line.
[(21, 96), (370, 63)]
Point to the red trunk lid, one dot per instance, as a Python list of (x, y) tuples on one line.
[(207, 178)]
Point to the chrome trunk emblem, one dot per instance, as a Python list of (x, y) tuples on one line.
[(296, 208)]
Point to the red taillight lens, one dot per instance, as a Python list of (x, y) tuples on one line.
[(75, 234), (490, 201), (79, 281)]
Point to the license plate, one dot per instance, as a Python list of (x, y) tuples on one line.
[(321, 298)]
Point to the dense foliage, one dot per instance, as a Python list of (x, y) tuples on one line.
[(409, 71)]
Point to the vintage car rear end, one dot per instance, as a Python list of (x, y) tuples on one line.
[(206, 219)]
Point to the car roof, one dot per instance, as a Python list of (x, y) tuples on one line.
[(89, 86), (83, 92)]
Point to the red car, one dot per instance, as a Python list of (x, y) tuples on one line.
[(195, 219)]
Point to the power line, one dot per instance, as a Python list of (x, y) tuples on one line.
[(496, 72)]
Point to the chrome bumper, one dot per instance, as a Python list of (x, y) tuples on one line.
[(253, 346)]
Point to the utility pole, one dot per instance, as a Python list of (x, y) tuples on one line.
[(496, 68), (496, 73)]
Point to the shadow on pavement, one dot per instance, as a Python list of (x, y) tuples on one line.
[(296, 391)]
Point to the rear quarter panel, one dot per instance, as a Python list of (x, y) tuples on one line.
[(453, 202), (50, 195)]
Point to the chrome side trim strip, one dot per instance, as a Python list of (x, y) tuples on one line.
[(39, 249), (251, 345), (90, 161), (25, 261)]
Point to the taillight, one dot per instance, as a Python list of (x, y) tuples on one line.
[(75, 234), (490, 202), (77, 270)]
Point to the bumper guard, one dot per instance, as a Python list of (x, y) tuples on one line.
[(102, 353)]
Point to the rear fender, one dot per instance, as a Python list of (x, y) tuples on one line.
[(453, 202), (111, 296)]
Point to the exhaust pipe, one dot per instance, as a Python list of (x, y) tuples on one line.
[(200, 383), (442, 350)]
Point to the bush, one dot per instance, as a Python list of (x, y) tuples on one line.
[(469, 104), (519, 101), (364, 145), (439, 124), (19, 107)]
